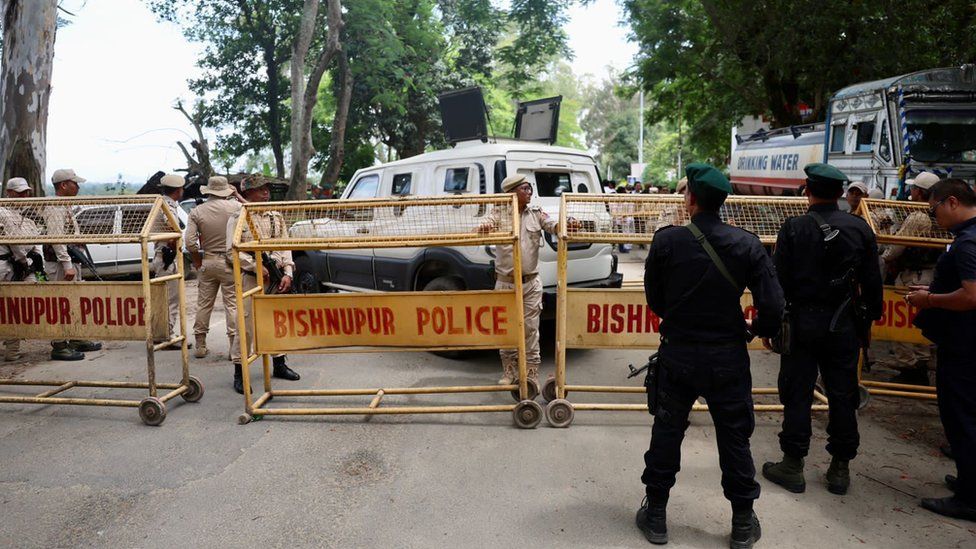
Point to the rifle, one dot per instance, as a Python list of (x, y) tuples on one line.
[(651, 381), (79, 254), (275, 274), (36, 266)]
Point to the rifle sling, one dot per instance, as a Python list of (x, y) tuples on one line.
[(713, 255)]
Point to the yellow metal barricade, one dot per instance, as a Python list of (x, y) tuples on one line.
[(887, 219), (620, 319), (96, 310), (381, 321)]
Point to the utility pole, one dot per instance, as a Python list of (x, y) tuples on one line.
[(680, 171), (640, 122)]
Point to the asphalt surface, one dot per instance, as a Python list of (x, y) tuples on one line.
[(85, 476)]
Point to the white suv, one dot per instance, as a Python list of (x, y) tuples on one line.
[(114, 260), (469, 168)]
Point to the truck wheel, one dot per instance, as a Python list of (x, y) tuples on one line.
[(447, 284)]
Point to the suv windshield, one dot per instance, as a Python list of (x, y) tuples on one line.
[(942, 136), (552, 183)]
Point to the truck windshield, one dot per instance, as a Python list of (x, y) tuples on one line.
[(941, 135)]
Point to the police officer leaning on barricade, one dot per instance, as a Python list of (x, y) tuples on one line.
[(827, 261), (206, 240), (948, 319), (271, 224), (166, 254), (914, 267), (18, 263), (533, 220), (61, 261), (694, 279)]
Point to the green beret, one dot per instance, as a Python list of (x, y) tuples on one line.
[(824, 173), (704, 179)]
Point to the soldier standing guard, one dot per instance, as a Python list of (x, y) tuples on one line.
[(915, 267), (18, 263), (694, 279), (827, 262), (166, 254), (206, 239), (271, 224), (533, 220), (58, 263)]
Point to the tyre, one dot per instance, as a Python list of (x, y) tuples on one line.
[(447, 284)]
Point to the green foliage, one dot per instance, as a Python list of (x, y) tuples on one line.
[(244, 87), (539, 39), (713, 62)]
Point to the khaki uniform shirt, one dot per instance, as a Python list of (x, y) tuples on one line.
[(59, 220), (532, 222), (271, 225), (916, 224), (13, 223), (206, 230)]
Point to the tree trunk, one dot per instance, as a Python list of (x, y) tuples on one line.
[(303, 101), (274, 109), (201, 163), (29, 28), (337, 148)]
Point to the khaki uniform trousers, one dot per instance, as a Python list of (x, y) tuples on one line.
[(172, 289), (532, 310), (55, 273), (215, 274), (12, 346), (248, 282)]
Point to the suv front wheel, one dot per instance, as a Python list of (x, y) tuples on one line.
[(447, 284)]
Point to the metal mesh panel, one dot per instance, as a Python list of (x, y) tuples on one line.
[(107, 219), (903, 222), (629, 218), (377, 223)]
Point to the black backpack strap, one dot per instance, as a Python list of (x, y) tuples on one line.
[(713, 255)]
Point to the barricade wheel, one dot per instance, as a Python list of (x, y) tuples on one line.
[(533, 387), (152, 411), (194, 391), (527, 414), (244, 419), (863, 396), (559, 413), (549, 389)]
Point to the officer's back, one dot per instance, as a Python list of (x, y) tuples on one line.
[(815, 275), (696, 301)]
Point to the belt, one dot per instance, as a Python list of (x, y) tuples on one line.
[(511, 280), (213, 254), (699, 343)]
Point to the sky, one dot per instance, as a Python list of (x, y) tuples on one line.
[(118, 72)]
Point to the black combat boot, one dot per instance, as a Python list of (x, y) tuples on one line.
[(838, 477), (745, 529), (787, 473), (238, 379), (653, 521), (281, 370)]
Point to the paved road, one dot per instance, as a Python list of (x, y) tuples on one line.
[(78, 476)]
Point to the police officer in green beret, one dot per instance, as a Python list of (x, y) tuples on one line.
[(694, 279), (827, 261)]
